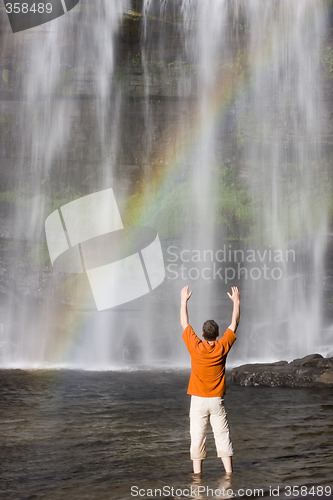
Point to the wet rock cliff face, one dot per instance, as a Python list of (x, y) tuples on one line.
[(85, 160), (80, 169), (164, 93), (311, 371)]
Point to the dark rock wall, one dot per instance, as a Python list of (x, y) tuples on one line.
[(164, 96), (311, 371)]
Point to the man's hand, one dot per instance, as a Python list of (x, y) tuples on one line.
[(185, 294), (235, 294)]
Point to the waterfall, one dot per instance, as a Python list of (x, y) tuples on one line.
[(283, 156), (206, 119)]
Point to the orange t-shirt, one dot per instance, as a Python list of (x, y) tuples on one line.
[(208, 363)]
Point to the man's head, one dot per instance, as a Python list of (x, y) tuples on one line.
[(210, 330)]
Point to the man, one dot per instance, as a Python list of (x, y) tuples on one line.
[(207, 382)]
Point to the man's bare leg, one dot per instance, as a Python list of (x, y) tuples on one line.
[(197, 465), (227, 462)]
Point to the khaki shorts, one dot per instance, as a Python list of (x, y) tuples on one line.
[(201, 410)]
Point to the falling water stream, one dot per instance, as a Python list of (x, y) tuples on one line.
[(206, 119)]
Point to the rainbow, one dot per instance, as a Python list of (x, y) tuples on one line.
[(150, 192)]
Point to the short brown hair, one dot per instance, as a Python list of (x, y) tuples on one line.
[(210, 330)]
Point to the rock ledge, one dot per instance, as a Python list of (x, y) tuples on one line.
[(311, 371)]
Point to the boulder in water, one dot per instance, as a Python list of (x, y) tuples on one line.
[(311, 371)]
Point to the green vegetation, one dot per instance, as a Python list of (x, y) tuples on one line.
[(66, 79), (327, 58), (5, 76), (239, 212), (168, 203), (61, 198), (10, 196), (39, 255), (25, 197), (235, 208), (169, 206), (72, 286), (163, 208)]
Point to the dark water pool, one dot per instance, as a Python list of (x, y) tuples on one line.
[(121, 435)]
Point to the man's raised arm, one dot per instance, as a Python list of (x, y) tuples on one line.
[(234, 296), (184, 296)]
